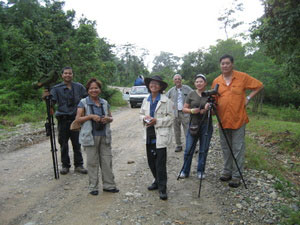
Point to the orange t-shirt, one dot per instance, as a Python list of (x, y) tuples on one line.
[(231, 101)]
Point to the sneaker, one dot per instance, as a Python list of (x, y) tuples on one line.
[(64, 170), (81, 169), (199, 175), (234, 183), (178, 149), (225, 178), (182, 175)]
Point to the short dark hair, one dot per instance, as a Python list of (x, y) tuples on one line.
[(226, 56), (66, 68), (92, 80)]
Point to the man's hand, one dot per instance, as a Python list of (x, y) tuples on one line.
[(46, 93)]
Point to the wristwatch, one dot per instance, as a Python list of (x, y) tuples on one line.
[(248, 98)]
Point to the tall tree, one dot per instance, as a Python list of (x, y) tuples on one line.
[(227, 18), (165, 60), (279, 30), (131, 63)]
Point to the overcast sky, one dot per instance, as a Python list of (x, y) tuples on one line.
[(176, 26)]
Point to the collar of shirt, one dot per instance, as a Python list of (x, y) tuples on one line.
[(91, 102), (232, 78)]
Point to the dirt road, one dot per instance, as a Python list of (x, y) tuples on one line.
[(30, 195)]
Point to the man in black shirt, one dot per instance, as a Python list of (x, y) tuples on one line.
[(67, 95)]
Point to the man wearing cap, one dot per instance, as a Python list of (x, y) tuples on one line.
[(231, 108), (178, 94)]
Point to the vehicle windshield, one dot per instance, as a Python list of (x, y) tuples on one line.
[(139, 90)]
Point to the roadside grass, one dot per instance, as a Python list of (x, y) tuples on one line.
[(273, 145), (117, 100), (35, 111)]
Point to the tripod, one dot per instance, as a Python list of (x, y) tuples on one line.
[(203, 134), (49, 125), (212, 107)]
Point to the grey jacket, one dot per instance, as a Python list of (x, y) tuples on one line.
[(173, 95), (86, 137)]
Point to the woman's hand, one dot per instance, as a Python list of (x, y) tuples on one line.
[(106, 119), (150, 121), (195, 111), (95, 117)]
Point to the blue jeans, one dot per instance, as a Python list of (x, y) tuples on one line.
[(204, 138)]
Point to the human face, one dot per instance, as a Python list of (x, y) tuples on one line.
[(94, 90), (154, 86), (200, 84), (177, 81), (67, 75), (226, 66)]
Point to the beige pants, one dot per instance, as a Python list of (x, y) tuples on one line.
[(100, 155), (178, 121)]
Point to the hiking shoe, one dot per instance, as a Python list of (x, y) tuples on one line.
[(225, 178), (64, 170), (81, 169), (178, 149), (182, 175), (234, 183), (163, 195), (113, 190), (94, 192), (153, 186), (199, 175)]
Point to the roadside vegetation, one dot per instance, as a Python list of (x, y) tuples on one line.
[(35, 111), (273, 145)]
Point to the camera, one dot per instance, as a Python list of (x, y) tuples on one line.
[(211, 92), (147, 120), (99, 126)]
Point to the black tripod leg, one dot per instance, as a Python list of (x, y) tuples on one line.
[(205, 152), (51, 132), (229, 146), (201, 178)]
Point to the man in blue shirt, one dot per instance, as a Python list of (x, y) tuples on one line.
[(67, 95)]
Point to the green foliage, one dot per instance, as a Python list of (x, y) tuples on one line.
[(279, 30), (290, 216), (117, 99), (165, 60), (129, 66), (36, 39)]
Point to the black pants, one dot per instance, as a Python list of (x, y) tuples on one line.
[(64, 134), (157, 161)]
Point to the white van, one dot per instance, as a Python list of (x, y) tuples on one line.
[(137, 95)]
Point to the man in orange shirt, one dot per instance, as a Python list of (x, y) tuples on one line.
[(231, 108)]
